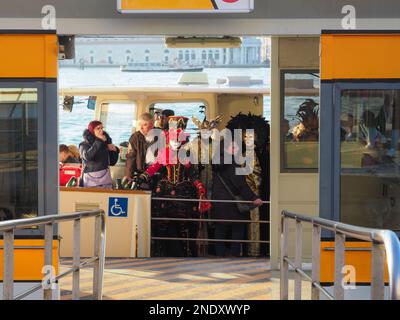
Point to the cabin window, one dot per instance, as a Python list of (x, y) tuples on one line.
[(369, 151), (119, 120), (193, 57), (18, 153), (186, 109), (299, 120)]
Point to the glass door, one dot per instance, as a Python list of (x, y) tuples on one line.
[(19, 176), (367, 124)]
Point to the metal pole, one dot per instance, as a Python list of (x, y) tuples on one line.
[(99, 252), (205, 200), (298, 260), (76, 260), (8, 273), (48, 260), (284, 253), (377, 272), (210, 240), (316, 263), (211, 220), (339, 264)]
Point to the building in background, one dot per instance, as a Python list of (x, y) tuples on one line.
[(151, 50)]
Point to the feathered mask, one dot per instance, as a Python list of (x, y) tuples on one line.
[(207, 124)]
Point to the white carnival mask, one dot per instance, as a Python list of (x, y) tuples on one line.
[(175, 144)]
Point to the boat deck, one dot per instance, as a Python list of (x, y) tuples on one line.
[(177, 279)]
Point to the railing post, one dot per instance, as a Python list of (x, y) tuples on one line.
[(76, 260), (48, 259), (8, 272), (316, 248), (339, 264), (298, 260), (284, 288), (377, 272), (98, 268)]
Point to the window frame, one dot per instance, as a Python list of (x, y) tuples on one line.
[(118, 101), (47, 146), (330, 149), (283, 72), (169, 101)]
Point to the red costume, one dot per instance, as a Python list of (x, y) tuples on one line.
[(177, 180)]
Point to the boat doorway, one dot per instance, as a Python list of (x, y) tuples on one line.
[(231, 82)]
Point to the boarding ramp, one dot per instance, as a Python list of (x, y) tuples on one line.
[(384, 243), (205, 277)]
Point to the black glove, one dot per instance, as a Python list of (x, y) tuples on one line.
[(139, 180)]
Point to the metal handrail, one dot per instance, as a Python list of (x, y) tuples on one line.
[(383, 241), (204, 200), (8, 227), (210, 220)]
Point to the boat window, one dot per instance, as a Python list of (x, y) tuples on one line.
[(186, 109), (18, 153), (72, 124), (300, 121), (119, 120), (370, 174)]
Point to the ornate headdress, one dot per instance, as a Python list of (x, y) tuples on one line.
[(177, 122), (207, 124)]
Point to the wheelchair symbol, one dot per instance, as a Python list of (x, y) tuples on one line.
[(116, 209)]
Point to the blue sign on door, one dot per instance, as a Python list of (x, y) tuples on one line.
[(118, 207)]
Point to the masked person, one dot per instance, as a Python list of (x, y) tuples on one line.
[(163, 122), (98, 154), (178, 179), (255, 143), (201, 150), (228, 185)]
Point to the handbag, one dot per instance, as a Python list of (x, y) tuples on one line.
[(242, 207), (100, 178)]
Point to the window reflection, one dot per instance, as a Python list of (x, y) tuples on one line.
[(18, 153), (300, 123), (370, 178)]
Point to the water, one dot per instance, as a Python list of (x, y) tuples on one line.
[(73, 124), (98, 77)]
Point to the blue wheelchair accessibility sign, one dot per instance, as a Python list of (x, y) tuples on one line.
[(118, 207)]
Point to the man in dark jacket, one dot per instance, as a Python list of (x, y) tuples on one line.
[(97, 150)]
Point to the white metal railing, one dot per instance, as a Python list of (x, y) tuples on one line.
[(8, 227), (383, 241)]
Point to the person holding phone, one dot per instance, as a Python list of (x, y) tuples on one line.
[(98, 153)]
